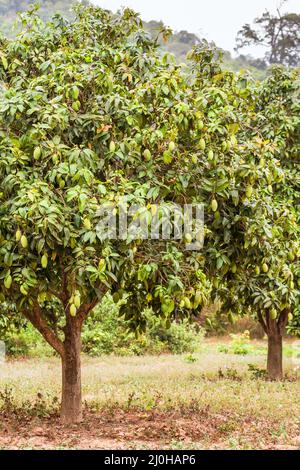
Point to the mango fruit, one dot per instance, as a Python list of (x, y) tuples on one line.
[(214, 205), (265, 267), (210, 155), (76, 105), (44, 261), (273, 313), (147, 155), (171, 146), (249, 191), (24, 241), (87, 224), (73, 310), (37, 153), (188, 238), (202, 144), (8, 282), (77, 300), (18, 235)]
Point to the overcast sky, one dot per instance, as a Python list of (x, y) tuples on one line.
[(217, 20)]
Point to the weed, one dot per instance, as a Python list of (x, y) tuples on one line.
[(190, 359), (257, 372)]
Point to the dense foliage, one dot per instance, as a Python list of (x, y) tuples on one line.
[(92, 114)]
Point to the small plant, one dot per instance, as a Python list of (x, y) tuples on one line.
[(239, 344), (257, 372), (6, 400), (222, 348), (42, 406), (190, 358), (105, 332), (227, 427), (229, 373)]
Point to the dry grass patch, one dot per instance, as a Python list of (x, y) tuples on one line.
[(208, 400)]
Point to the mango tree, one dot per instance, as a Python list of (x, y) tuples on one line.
[(260, 268), (278, 121), (89, 112), (251, 236)]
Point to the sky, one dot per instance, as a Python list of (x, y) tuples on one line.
[(215, 20)]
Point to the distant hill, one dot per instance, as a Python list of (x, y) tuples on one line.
[(179, 44)]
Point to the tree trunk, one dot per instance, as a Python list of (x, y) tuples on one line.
[(274, 329), (69, 351), (71, 406), (274, 363)]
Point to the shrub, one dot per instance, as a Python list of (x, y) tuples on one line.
[(25, 341), (105, 332), (239, 344)]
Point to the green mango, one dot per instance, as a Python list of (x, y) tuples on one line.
[(172, 146), (202, 144), (214, 205), (265, 267), (112, 147), (8, 282), (44, 261), (24, 241), (147, 155), (37, 153), (73, 310)]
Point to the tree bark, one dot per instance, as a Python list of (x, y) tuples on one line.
[(274, 329), (69, 351), (71, 404), (274, 362)]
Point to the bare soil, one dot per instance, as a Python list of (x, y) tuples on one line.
[(120, 430)]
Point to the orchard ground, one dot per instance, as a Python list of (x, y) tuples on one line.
[(209, 400)]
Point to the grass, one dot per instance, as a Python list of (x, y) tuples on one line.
[(213, 386)]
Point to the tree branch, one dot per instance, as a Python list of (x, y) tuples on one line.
[(261, 321), (283, 320), (36, 318), (85, 309)]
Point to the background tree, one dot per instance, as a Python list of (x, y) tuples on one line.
[(251, 231), (263, 274), (279, 33)]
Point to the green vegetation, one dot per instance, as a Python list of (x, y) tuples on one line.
[(57, 267), (97, 116), (105, 333)]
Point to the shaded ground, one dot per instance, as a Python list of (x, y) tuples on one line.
[(210, 400), (150, 430)]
